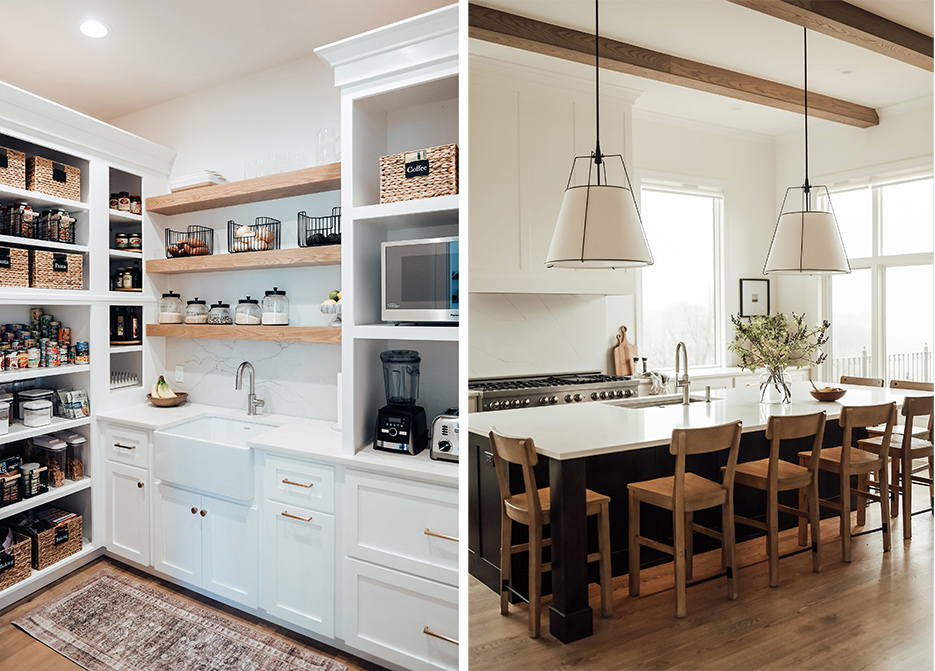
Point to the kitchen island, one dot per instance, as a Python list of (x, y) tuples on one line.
[(605, 446)]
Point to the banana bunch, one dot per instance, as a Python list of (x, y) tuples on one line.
[(161, 389)]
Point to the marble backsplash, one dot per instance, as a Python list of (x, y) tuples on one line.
[(298, 379), (529, 334)]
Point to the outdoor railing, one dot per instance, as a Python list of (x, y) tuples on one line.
[(915, 366)]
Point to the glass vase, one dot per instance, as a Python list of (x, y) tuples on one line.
[(774, 386)]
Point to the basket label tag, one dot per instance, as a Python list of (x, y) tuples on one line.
[(59, 263), (7, 561), (417, 165), (61, 535), (5, 258), (58, 172), (4, 161)]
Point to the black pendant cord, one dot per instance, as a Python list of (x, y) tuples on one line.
[(807, 187), (598, 157)]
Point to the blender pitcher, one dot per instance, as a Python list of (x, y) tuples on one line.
[(401, 376)]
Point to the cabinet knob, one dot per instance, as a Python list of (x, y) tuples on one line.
[(204, 512), (139, 485), (194, 510)]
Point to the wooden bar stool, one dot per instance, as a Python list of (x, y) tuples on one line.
[(847, 460), (904, 448), (534, 511), (862, 381), (773, 475), (683, 494)]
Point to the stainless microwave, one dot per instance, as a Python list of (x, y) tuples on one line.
[(420, 281)]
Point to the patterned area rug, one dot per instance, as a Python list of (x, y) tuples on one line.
[(113, 623)]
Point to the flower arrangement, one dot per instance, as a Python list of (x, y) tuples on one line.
[(774, 342)]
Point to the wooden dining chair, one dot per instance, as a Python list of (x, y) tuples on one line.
[(847, 460), (683, 494), (862, 381), (774, 475), (532, 507), (904, 448)]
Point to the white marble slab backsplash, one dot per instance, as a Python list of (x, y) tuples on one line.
[(298, 379), (529, 334)]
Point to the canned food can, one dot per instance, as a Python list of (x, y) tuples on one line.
[(25, 335), (82, 353), (64, 334), (12, 361), (72, 354), (33, 357), (23, 358), (35, 314)]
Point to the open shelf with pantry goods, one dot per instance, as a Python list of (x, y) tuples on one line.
[(54, 493)]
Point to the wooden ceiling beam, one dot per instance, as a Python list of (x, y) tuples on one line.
[(851, 24), (520, 32)]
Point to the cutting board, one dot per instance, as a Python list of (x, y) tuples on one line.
[(623, 354)]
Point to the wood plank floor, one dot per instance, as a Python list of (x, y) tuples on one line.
[(19, 650), (874, 613)]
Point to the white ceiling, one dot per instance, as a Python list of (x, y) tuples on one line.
[(164, 49), (729, 36)]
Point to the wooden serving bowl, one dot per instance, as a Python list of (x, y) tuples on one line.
[(179, 399), (826, 396)]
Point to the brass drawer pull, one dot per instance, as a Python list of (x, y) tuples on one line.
[(287, 481), (429, 532), (429, 632), (126, 447), (296, 517)]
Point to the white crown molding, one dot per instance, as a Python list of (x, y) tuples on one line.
[(704, 126), (883, 172)]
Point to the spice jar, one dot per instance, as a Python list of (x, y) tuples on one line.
[(123, 201), (196, 312), (52, 455), (220, 313), (136, 205), (126, 280), (247, 312), (121, 240), (170, 308), (115, 201), (135, 242), (275, 308), (33, 474), (37, 413)]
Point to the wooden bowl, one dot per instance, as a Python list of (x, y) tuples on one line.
[(826, 396), (179, 399)]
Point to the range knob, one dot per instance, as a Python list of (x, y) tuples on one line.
[(568, 398), (594, 396), (628, 393), (486, 406), (526, 402), (514, 403), (618, 394), (544, 400), (495, 405), (553, 400), (577, 398), (603, 395)]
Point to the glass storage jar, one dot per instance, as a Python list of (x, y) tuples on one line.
[(170, 308), (52, 456), (220, 314), (275, 308), (247, 312), (33, 479), (196, 312)]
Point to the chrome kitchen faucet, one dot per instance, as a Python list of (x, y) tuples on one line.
[(682, 381), (252, 401)]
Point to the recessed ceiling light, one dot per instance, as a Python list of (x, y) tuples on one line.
[(94, 28), (846, 71), (735, 107)]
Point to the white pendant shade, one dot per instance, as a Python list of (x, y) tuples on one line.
[(598, 227), (806, 242)]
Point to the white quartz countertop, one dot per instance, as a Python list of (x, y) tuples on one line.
[(294, 436), (589, 429)]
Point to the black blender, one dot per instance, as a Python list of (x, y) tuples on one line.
[(401, 424)]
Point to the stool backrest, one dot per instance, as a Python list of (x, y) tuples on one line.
[(701, 441), (861, 417), (914, 407), (912, 384), (511, 450), (863, 381), (790, 427)]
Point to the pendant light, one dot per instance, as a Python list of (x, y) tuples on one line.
[(807, 240), (599, 223)]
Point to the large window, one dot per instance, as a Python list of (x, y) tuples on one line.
[(881, 314), (681, 290)]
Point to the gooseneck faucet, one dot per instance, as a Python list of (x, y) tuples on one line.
[(682, 381), (252, 401)]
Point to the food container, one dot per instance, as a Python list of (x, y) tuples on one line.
[(34, 479), (196, 312), (136, 205), (53, 455), (275, 308), (4, 417), (247, 312), (53, 178), (121, 240), (37, 413), (136, 242), (114, 201), (56, 270), (14, 267), (170, 309), (13, 170), (15, 560), (27, 395), (123, 201), (220, 314), (419, 174), (74, 460)]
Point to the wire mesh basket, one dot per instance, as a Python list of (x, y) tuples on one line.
[(318, 231), (19, 224), (56, 227), (196, 241), (258, 237)]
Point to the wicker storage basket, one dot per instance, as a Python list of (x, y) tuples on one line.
[(14, 267), (440, 180), (12, 168), (57, 543), (53, 178), (56, 270), (16, 564)]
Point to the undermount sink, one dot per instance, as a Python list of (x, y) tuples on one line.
[(209, 454), (658, 401)]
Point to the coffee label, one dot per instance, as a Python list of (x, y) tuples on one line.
[(416, 164)]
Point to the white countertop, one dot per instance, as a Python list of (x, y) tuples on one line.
[(294, 436), (588, 429)]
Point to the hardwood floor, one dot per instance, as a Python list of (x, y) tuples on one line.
[(21, 651), (874, 613)]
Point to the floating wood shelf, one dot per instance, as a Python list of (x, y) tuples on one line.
[(322, 334), (270, 187), (328, 255)]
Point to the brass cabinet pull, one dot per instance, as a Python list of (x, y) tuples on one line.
[(287, 481), (126, 447), (429, 532), (429, 632), (204, 512), (139, 485), (295, 517), (194, 511)]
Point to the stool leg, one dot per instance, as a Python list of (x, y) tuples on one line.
[(603, 541), (802, 507), (845, 517), (535, 578), (814, 513), (772, 536), (862, 500), (634, 550), (689, 537), (885, 505), (906, 483), (895, 484), (678, 544), (727, 525), (506, 560), (931, 483)]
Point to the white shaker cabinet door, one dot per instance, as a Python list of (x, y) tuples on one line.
[(229, 550), (128, 527), (177, 533), (298, 566)]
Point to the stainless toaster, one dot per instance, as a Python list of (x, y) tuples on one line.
[(445, 436)]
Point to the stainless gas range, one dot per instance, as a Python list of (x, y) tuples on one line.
[(502, 393)]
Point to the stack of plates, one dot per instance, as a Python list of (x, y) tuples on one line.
[(193, 180)]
